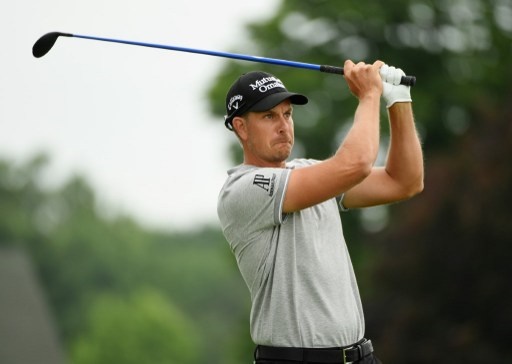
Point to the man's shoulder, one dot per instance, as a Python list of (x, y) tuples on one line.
[(301, 162), (241, 169), (244, 171)]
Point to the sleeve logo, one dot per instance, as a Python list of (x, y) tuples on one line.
[(265, 183)]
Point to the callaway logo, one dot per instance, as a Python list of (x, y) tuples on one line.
[(232, 101), (267, 83)]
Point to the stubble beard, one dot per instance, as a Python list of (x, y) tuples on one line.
[(281, 154)]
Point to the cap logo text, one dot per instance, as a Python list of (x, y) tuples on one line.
[(266, 83)]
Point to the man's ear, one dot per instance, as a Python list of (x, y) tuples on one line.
[(240, 126)]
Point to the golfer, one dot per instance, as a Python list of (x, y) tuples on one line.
[(282, 220)]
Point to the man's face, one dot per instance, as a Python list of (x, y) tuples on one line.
[(268, 136)]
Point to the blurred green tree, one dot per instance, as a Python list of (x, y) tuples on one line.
[(144, 328), (89, 257)]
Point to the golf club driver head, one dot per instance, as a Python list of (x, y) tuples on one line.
[(46, 42)]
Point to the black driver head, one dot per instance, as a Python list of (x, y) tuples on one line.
[(46, 42)]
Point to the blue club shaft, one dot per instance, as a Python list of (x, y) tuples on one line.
[(242, 57)]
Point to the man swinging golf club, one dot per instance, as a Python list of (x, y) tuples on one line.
[(281, 218)]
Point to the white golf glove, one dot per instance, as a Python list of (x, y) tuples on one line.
[(393, 91)]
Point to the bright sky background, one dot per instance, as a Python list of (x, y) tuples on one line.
[(132, 120)]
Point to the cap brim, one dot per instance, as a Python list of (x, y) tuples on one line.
[(275, 99)]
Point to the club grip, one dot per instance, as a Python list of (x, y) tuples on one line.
[(331, 69), (406, 80)]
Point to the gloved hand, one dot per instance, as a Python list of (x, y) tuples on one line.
[(393, 91)]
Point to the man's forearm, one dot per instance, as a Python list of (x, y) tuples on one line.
[(362, 141), (405, 158)]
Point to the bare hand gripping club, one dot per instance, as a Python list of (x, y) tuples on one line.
[(46, 42)]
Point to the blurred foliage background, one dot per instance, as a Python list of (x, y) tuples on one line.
[(433, 271)]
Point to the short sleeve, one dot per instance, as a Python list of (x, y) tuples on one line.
[(252, 200)]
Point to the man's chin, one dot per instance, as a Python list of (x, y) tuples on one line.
[(283, 155)]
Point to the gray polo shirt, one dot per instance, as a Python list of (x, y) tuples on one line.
[(296, 266)]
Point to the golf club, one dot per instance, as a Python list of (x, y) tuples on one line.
[(46, 42)]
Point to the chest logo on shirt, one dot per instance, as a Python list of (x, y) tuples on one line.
[(265, 183)]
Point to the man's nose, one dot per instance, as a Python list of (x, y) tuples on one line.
[(283, 124)]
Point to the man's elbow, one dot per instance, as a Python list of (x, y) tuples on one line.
[(365, 169), (355, 171), (414, 189), (363, 166)]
